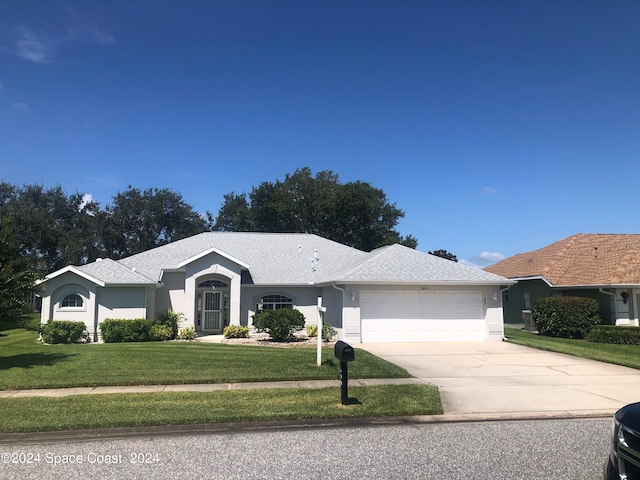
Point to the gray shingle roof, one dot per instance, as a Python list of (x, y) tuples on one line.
[(288, 259), (113, 273), (400, 264)]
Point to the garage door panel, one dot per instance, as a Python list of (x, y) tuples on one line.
[(422, 316)]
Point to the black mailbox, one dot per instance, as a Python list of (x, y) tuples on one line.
[(344, 352)]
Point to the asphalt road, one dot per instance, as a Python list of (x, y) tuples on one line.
[(541, 449)]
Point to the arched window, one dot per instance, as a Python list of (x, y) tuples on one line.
[(72, 300), (213, 284), (274, 302)]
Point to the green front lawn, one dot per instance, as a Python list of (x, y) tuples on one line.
[(144, 409), (26, 364), (626, 355)]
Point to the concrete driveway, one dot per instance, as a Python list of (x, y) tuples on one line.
[(504, 378)]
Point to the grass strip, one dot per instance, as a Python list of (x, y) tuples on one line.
[(145, 409), (625, 355), (27, 364)]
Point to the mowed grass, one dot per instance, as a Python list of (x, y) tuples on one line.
[(145, 409), (626, 355), (27, 364)]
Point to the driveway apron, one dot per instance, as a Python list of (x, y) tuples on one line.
[(501, 377)]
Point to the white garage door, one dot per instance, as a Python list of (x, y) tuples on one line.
[(422, 316)]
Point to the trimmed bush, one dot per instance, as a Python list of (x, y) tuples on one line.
[(279, 324), (616, 335), (119, 330), (62, 331), (328, 332), (171, 319), (160, 333), (236, 331), (188, 333), (566, 317)]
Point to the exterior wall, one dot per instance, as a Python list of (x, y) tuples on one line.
[(122, 302), (58, 288), (352, 323), (171, 295), (513, 299), (607, 309), (305, 299)]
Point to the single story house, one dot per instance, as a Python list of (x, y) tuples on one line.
[(393, 293), (605, 267)]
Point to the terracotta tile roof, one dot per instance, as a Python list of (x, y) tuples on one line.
[(582, 259)]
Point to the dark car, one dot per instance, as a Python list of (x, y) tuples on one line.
[(624, 457)]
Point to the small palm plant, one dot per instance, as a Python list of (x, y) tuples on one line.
[(171, 319)]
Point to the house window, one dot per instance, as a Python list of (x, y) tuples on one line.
[(526, 301), (72, 301), (274, 302), (213, 284)]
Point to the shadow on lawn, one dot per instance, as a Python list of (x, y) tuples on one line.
[(30, 360)]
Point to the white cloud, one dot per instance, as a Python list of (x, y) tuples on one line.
[(483, 259), (22, 107), (491, 256), (32, 46), (489, 191), (86, 198)]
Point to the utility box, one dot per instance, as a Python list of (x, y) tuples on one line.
[(344, 352)]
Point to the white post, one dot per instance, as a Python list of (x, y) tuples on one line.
[(321, 311)]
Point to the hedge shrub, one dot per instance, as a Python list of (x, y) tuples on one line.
[(328, 332), (236, 331), (160, 333), (188, 333), (62, 331), (613, 334), (566, 317), (120, 330), (279, 324)]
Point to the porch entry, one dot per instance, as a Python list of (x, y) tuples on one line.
[(212, 306), (212, 311)]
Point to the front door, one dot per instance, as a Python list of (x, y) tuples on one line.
[(212, 311)]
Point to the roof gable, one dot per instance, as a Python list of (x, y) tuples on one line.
[(582, 259)]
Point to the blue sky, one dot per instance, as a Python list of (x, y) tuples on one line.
[(498, 126)]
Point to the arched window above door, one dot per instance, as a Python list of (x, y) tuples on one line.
[(213, 284)]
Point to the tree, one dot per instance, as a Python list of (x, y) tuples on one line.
[(16, 276), (354, 213), (140, 220), (444, 254), (54, 229)]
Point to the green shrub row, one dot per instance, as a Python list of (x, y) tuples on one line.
[(236, 331), (119, 330), (279, 324), (62, 331), (566, 317), (328, 332), (170, 319), (613, 334)]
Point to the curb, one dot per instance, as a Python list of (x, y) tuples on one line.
[(92, 435)]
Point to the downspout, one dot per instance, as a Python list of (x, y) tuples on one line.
[(615, 304), (502, 290), (342, 311)]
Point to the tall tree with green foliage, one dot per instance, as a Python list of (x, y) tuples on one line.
[(353, 213), (444, 254), (139, 220), (17, 279)]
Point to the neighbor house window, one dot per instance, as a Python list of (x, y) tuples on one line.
[(274, 302), (71, 301)]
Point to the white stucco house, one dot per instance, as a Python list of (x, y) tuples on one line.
[(215, 279)]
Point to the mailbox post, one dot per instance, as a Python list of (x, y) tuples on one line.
[(344, 352)]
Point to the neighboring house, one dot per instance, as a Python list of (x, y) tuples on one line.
[(605, 267), (215, 279)]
